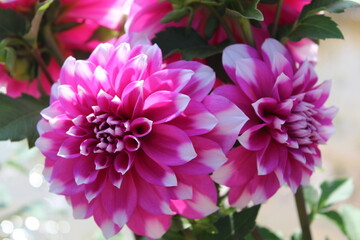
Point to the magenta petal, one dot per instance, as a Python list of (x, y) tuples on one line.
[(168, 145), (269, 158), (132, 71), (283, 87), (67, 72), (146, 224), (92, 190), (255, 138), (253, 82), (278, 57), (210, 157), (43, 126), (182, 191), (296, 173), (84, 171), (104, 221), (234, 52), (101, 54), (155, 199), (103, 100), (70, 148), (168, 80), (202, 81), (60, 122), (120, 203), (132, 98), (69, 100), (81, 207), (123, 162), (258, 191), (204, 198), (62, 180), (115, 178), (163, 106), (265, 108), (319, 100), (238, 170), (305, 78), (141, 127), (153, 172), (304, 50), (239, 197), (195, 120), (230, 121), (48, 143), (84, 73)]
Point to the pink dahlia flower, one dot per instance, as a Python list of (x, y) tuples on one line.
[(130, 141), (288, 120)]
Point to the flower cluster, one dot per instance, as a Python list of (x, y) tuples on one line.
[(130, 141), (134, 136)]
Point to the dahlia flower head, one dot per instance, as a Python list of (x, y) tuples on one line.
[(130, 140), (287, 122)]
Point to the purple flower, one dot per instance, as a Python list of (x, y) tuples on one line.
[(288, 120), (131, 141)]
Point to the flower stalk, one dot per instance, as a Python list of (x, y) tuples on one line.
[(277, 18), (223, 23), (52, 45), (303, 216)]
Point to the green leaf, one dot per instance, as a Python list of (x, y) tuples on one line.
[(311, 197), (211, 26), (12, 24), (174, 39), (223, 227), (296, 236), (19, 116), (265, 234), (316, 27), (336, 218), (334, 6), (335, 191), (244, 221), (175, 15), (203, 51), (351, 218), (251, 11), (33, 33)]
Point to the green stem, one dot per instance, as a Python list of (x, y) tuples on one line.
[(52, 45), (277, 18), (256, 234), (303, 217), (223, 24), (246, 27), (188, 235), (42, 65), (244, 24)]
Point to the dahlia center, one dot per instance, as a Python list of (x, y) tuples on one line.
[(113, 134), (302, 125)]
